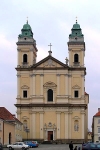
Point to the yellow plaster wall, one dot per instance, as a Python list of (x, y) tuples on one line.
[(49, 117), (50, 77), (37, 84), (8, 127), (62, 85)]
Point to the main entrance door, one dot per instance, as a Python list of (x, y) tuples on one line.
[(50, 135)]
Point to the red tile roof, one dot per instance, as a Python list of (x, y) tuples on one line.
[(86, 93), (5, 114), (97, 114)]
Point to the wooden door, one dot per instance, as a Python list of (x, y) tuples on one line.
[(50, 135)]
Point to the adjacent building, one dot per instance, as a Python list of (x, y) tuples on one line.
[(96, 127), (51, 99), (8, 129)]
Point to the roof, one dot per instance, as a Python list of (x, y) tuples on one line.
[(97, 114), (86, 93), (5, 114)]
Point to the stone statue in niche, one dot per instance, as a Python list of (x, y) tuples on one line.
[(76, 127)]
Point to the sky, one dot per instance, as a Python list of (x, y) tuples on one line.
[(51, 22)]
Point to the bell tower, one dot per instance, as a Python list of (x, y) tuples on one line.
[(26, 46), (76, 47)]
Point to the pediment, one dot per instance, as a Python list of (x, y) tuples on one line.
[(24, 87), (50, 62), (49, 84), (25, 117), (76, 87), (76, 117)]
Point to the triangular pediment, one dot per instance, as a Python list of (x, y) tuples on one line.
[(24, 87), (49, 62), (49, 84), (76, 87)]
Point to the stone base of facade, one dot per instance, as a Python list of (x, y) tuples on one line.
[(58, 141)]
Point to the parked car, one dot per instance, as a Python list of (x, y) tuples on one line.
[(18, 145), (36, 142), (91, 146), (1, 146), (31, 144)]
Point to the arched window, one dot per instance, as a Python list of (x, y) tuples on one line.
[(25, 58), (50, 95), (76, 57)]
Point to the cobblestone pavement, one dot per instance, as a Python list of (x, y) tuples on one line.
[(55, 146)]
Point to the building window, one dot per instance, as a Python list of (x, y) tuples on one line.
[(98, 130), (98, 121), (25, 58), (76, 93), (25, 94), (76, 58), (50, 95)]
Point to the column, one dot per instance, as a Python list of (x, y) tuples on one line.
[(82, 114), (58, 84), (30, 133), (70, 61), (18, 56), (41, 125), (31, 57), (33, 125), (31, 86), (66, 125), (58, 125), (69, 85), (82, 57), (82, 76), (70, 126), (66, 84), (41, 78), (18, 85), (34, 84)]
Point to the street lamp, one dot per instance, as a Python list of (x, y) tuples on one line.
[(27, 131)]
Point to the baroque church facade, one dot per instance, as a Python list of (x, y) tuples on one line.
[(51, 100)]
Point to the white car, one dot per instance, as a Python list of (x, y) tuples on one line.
[(18, 145)]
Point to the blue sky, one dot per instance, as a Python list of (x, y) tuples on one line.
[(51, 22)]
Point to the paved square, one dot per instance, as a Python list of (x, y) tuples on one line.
[(55, 146)]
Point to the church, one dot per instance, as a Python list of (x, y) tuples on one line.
[(51, 100)]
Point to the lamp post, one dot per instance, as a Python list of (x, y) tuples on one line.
[(27, 131)]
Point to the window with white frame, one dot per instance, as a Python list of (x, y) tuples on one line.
[(98, 121), (98, 130)]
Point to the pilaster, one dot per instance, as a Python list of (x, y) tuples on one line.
[(66, 84), (66, 125), (69, 83), (41, 78), (34, 84), (33, 125), (58, 84), (58, 125), (41, 125), (18, 85)]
